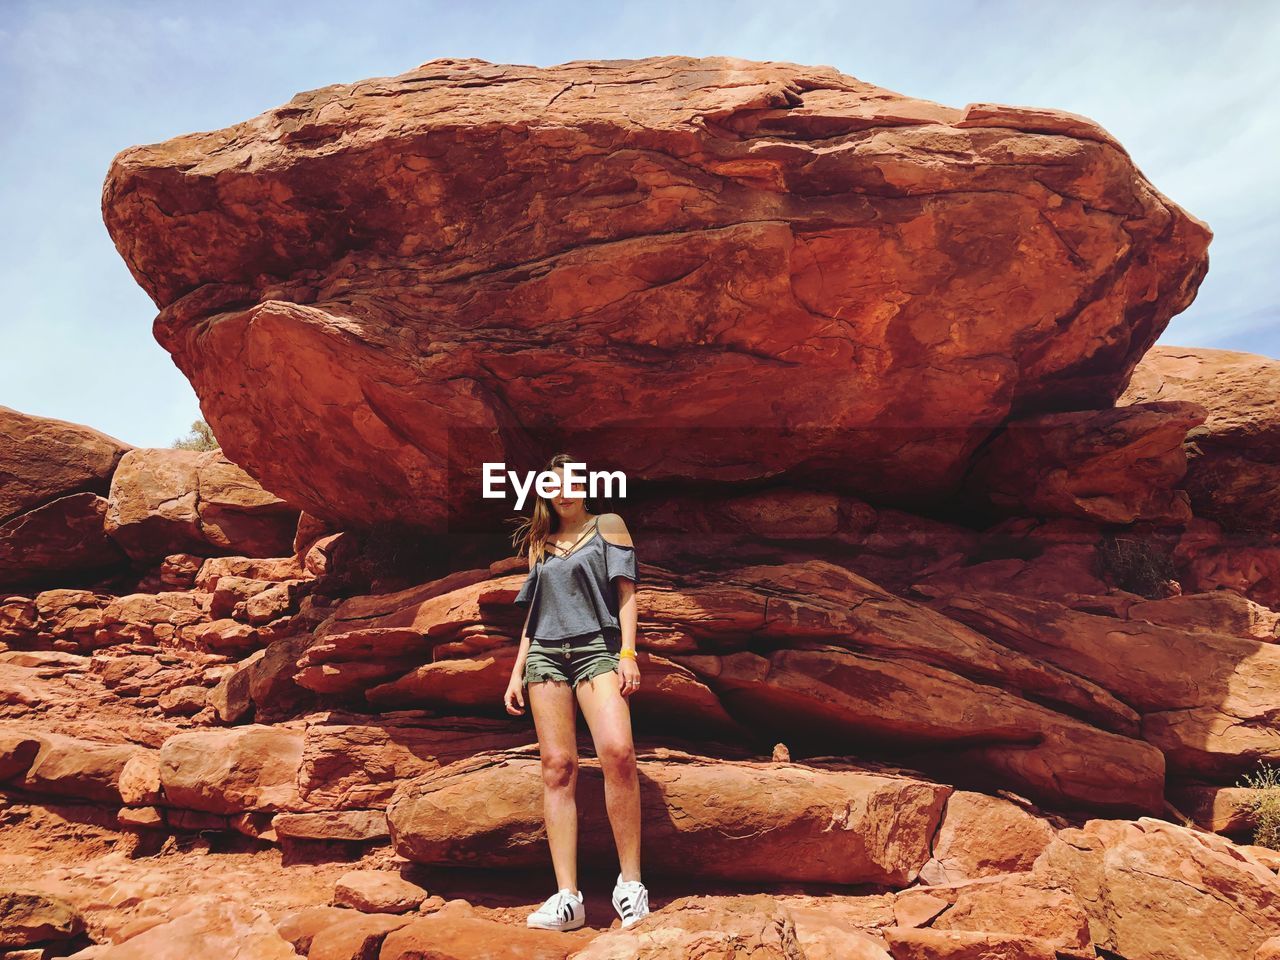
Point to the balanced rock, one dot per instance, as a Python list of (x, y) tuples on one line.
[(377, 286)]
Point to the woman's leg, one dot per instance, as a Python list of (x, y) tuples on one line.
[(609, 716), (552, 705)]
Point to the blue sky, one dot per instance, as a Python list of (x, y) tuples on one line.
[(1189, 88)]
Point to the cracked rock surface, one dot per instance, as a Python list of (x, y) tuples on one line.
[(701, 269)]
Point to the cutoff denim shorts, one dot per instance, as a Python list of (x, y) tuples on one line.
[(573, 659)]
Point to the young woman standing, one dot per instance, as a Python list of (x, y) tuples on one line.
[(579, 639)]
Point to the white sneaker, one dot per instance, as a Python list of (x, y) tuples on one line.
[(563, 910), (631, 900)]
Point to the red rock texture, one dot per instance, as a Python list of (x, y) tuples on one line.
[(1208, 701), (722, 820), (1111, 466), (166, 500), (1154, 889), (77, 505), (1234, 471), (383, 282)]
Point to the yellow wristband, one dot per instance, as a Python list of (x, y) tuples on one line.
[(627, 653)]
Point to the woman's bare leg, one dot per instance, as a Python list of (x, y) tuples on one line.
[(554, 718), (609, 716)]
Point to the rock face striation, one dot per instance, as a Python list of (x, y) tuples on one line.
[(383, 282), (77, 505), (1234, 471), (1010, 725)]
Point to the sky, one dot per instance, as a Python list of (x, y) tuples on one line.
[(1189, 88)]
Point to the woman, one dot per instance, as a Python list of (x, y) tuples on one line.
[(580, 630)]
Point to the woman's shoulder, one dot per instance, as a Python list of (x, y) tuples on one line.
[(614, 530)]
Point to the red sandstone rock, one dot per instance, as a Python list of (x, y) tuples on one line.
[(752, 925), (1234, 470), (331, 825), (43, 459), (451, 935), (149, 618), (225, 635), (1207, 700), (982, 836), (164, 501), (224, 927), (56, 541), (351, 761), (1247, 561), (929, 944), (52, 499), (253, 767), (1018, 904), (275, 569), (1216, 611), (358, 935), (300, 927), (1153, 889), (19, 620), (704, 817), (955, 685), (377, 891), (1112, 466), (893, 277), (1218, 809), (1264, 855), (33, 919), (71, 617), (67, 766)]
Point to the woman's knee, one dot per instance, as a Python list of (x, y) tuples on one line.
[(559, 768), (616, 757)]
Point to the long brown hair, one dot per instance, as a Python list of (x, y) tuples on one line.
[(530, 538)]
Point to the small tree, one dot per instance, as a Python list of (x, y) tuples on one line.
[(200, 438)]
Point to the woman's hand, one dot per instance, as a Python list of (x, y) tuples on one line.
[(514, 697), (629, 672)]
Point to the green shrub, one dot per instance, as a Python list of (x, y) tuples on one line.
[(1264, 805), (200, 438)]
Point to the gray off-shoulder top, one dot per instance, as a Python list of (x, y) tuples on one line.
[(572, 594)]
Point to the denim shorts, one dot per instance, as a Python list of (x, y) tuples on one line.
[(573, 659)]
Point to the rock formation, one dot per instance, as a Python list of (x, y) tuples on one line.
[(957, 637), (79, 506), (384, 284)]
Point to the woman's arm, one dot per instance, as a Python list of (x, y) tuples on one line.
[(627, 612), (523, 653), (614, 529)]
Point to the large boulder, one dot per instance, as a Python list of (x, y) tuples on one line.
[(1156, 891), (42, 459), (54, 478), (1233, 474), (704, 817), (170, 501), (74, 767), (253, 767), (1207, 700), (1111, 466), (376, 286)]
